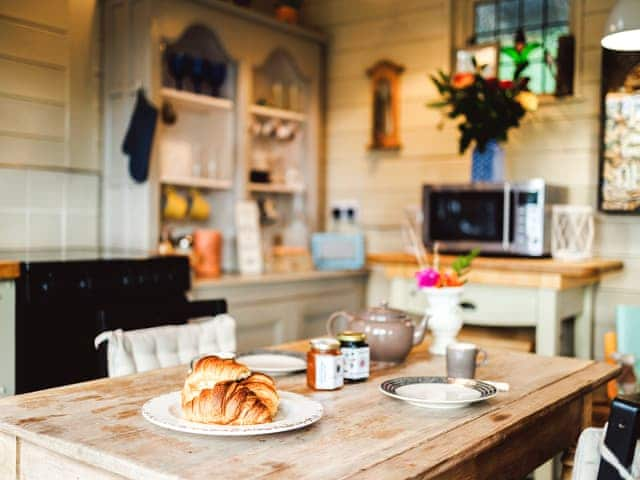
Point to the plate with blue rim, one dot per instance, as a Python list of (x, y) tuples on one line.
[(438, 392)]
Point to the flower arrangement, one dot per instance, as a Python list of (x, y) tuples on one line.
[(489, 107), (435, 277)]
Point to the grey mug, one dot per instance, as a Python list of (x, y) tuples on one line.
[(462, 360)]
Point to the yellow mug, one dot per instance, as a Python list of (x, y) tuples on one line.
[(199, 209), (175, 205)]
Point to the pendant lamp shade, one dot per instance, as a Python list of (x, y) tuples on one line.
[(622, 31)]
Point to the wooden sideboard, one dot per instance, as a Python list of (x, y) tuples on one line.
[(508, 292)]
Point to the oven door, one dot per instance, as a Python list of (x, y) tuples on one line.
[(464, 217)]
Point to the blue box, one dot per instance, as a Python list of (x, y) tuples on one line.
[(338, 251)]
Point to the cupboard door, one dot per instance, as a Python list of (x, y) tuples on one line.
[(314, 312)]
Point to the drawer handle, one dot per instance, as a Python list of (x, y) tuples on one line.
[(467, 306)]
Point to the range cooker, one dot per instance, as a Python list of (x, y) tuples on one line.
[(57, 304)]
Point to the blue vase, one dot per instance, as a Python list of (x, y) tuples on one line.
[(488, 166)]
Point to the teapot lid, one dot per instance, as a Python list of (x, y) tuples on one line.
[(383, 313)]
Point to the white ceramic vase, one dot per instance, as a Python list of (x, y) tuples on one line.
[(445, 320)]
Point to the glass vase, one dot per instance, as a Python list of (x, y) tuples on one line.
[(488, 165)]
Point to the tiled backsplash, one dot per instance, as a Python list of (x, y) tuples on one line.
[(44, 209)]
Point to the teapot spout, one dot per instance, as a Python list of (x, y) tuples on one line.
[(420, 330)]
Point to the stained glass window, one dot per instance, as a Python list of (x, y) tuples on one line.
[(542, 21)]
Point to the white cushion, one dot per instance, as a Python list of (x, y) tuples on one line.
[(146, 349)]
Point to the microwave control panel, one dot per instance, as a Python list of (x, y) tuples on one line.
[(528, 216)]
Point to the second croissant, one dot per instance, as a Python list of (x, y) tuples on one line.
[(223, 391)]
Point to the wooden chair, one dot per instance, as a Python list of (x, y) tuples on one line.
[(139, 337), (609, 454)]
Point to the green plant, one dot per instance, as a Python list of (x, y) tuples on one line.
[(486, 108), (462, 263)]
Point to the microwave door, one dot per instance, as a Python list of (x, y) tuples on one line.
[(464, 219)]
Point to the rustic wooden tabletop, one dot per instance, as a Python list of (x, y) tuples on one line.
[(97, 427)]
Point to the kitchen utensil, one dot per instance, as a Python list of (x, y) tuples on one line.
[(295, 412), (390, 333), (438, 392), (274, 362), (462, 359)]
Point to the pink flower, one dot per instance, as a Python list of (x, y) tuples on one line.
[(427, 278)]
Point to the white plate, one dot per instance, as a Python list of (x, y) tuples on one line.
[(273, 363), (438, 392), (295, 411)]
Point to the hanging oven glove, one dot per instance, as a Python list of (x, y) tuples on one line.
[(139, 138)]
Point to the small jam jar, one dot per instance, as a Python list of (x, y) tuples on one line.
[(355, 351), (325, 365)]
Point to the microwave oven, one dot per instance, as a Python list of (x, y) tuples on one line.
[(498, 218)]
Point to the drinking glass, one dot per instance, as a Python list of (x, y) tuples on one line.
[(179, 64)]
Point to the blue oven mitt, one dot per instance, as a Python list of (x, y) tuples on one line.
[(139, 138)]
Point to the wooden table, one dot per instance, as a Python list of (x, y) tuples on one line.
[(508, 292), (95, 430)]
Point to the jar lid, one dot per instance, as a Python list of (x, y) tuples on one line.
[(350, 336), (324, 344)]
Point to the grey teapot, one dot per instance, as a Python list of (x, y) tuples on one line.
[(390, 333)]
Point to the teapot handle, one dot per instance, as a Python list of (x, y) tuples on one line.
[(332, 319)]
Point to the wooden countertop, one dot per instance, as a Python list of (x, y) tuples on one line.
[(541, 272), (234, 280), (9, 269), (96, 427)]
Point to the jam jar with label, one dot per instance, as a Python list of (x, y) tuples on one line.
[(355, 351), (325, 364)]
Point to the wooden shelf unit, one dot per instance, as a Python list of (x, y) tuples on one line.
[(275, 188), (196, 101), (197, 182), (278, 113)]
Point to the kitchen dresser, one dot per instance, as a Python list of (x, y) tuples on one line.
[(138, 34), (509, 292)]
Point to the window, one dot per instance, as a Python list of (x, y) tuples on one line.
[(542, 21)]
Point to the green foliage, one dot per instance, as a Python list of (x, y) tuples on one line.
[(463, 262), (485, 108)]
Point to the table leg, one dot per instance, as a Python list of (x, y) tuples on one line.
[(583, 326), (8, 457), (548, 324)]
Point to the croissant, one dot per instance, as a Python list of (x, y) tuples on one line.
[(225, 392)]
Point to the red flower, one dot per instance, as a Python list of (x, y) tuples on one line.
[(491, 82), (505, 84), (462, 80)]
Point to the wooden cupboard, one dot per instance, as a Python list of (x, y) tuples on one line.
[(136, 32)]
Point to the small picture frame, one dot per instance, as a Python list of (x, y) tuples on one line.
[(487, 56)]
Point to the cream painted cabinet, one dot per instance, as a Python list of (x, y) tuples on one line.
[(7, 337), (544, 309), (274, 309)]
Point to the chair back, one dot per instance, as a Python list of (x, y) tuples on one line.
[(141, 337)]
